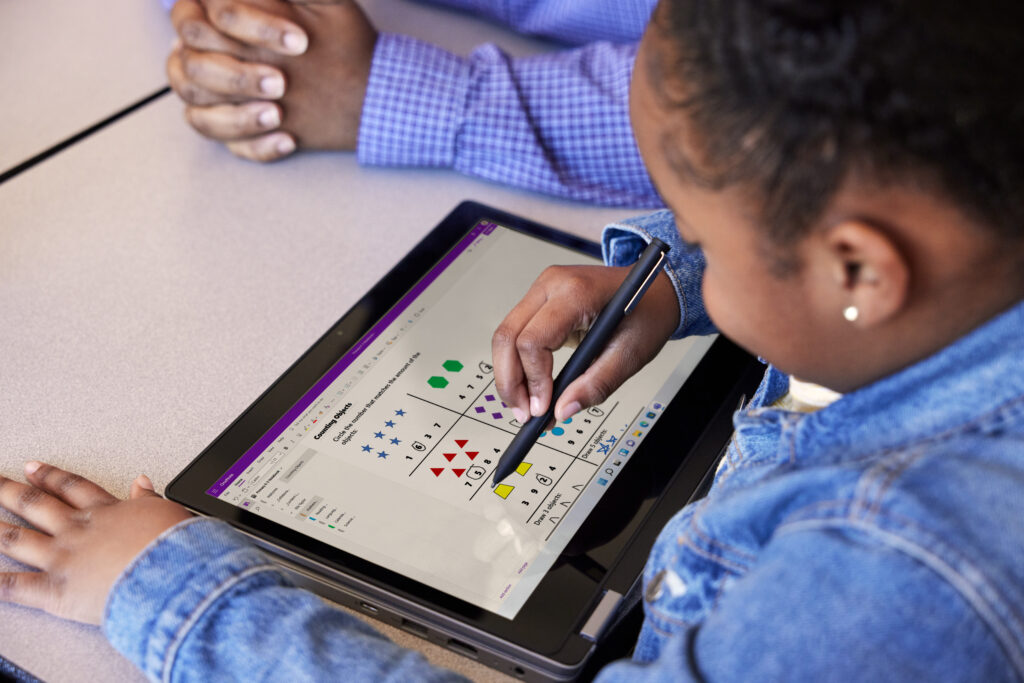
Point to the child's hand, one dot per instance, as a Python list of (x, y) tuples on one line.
[(559, 308), (83, 539), (266, 75)]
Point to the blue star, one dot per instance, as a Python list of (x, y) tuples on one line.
[(611, 439), (389, 423), (382, 454), (367, 449), (378, 435), (399, 412), (395, 441), (603, 448)]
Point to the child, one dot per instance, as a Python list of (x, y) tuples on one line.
[(851, 173)]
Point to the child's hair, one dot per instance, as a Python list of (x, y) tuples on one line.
[(788, 97)]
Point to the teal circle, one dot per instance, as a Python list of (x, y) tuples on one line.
[(558, 431)]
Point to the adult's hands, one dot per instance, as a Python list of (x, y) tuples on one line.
[(267, 76)]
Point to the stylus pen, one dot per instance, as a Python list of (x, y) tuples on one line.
[(625, 299)]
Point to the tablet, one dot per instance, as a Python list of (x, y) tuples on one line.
[(366, 467)]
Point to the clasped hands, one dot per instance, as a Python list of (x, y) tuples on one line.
[(266, 77)]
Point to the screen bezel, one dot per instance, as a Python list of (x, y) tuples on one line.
[(554, 612)]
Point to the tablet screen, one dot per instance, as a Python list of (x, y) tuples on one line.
[(389, 456)]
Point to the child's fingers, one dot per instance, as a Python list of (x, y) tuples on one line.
[(234, 121), (545, 333), (69, 487), (607, 373), (509, 377), (28, 589), (225, 75), (34, 505), (266, 148), (257, 27), (142, 487), (25, 545)]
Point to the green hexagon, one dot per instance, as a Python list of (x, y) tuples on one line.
[(437, 382), (452, 365)]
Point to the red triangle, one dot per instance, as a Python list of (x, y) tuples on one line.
[(437, 471), (462, 442), (450, 456), (472, 454), (458, 473)]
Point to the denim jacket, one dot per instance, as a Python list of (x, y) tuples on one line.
[(880, 538)]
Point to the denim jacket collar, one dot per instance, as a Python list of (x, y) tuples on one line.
[(969, 385)]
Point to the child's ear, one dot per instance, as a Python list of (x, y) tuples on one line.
[(871, 272)]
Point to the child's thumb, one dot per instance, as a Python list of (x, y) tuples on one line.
[(142, 486)]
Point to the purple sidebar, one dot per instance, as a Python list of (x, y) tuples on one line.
[(480, 229)]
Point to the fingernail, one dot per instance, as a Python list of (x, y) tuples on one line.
[(144, 481), (269, 118), (521, 416), (295, 42), (535, 406), (571, 410), (284, 145), (272, 86), (31, 466), (175, 44)]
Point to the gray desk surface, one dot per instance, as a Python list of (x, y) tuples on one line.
[(67, 65), (152, 285)]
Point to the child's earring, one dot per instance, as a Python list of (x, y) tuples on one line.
[(851, 313)]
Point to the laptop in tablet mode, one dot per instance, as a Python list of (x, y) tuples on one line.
[(365, 469)]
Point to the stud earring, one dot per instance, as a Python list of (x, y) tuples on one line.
[(851, 313)]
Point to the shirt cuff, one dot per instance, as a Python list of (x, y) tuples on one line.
[(415, 99), (171, 583), (621, 244)]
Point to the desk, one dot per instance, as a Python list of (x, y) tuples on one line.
[(65, 66), (152, 285)]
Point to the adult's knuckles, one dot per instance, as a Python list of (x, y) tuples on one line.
[(224, 16), (192, 31), (242, 82)]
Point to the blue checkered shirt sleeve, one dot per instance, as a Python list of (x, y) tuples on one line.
[(571, 21), (556, 123)]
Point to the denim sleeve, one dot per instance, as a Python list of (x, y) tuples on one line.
[(570, 21), (556, 123), (203, 604), (832, 604), (621, 244)]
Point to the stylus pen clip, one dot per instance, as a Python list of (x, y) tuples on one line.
[(644, 286), (625, 299)]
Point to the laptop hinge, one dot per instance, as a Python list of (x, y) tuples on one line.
[(601, 615)]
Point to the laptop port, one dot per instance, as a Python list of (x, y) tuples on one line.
[(413, 627), (369, 608), (462, 648)]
